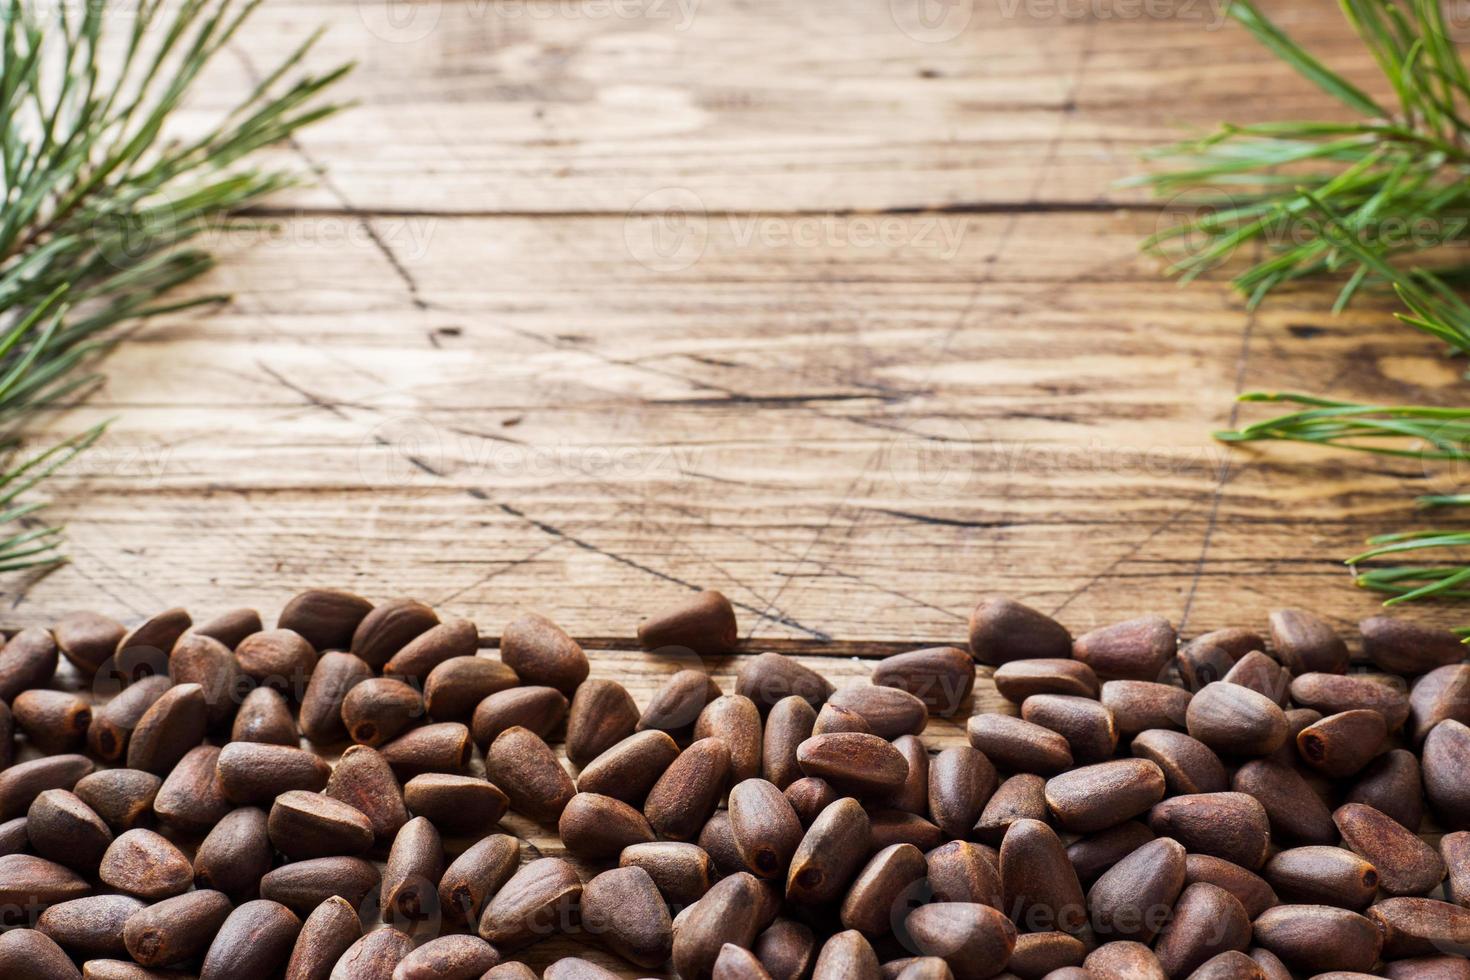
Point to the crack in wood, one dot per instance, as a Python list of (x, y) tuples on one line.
[(557, 532), (1225, 475)]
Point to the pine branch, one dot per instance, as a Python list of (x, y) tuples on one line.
[(101, 206), (1332, 198)]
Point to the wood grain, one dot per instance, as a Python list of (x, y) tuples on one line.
[(594, 305), (576, 106), (595, 302), (852, 442)]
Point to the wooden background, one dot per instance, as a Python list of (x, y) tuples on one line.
[(602, 300), (821, 304), (599, 301)]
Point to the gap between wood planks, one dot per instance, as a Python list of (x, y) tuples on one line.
[(867, 649), (970, 207)]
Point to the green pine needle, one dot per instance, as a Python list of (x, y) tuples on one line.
[(1413, 431), (101, 202)]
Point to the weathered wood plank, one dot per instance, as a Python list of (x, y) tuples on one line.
[(852, 441), (562, 106)]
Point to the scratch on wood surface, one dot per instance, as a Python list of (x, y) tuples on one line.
[(826, 568), (730, 396), (730, 481), (311, 398), (643, 506), (737, 398), (27, 581), (1086, 586), (561, 343), (324, 177), (507, 566), (488, 436), (991, 261), (362, 571), (832, 513), (623, 560), (1227, 472), (414, 460), (940, 521), (105, 587)]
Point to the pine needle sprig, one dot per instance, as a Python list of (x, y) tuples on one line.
[(103, 204), (1411, 431), (1407, 431), (1392, 182)]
